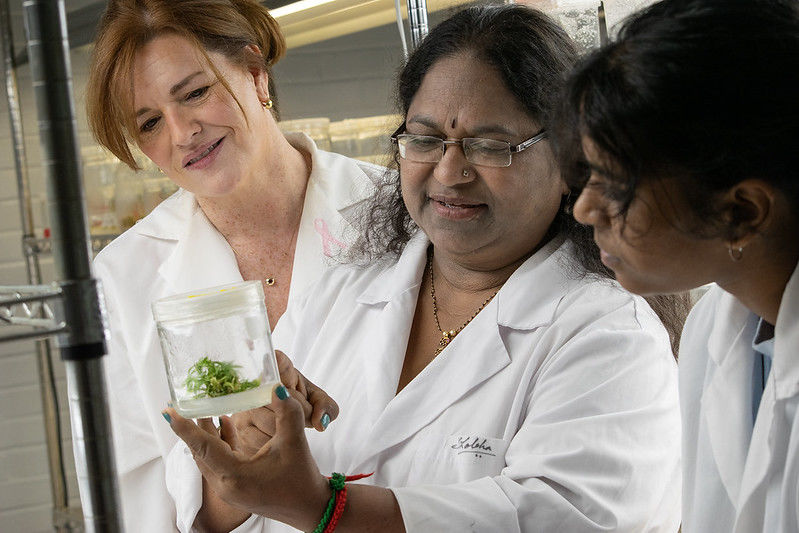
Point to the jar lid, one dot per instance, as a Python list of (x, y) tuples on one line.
[(210, 302)]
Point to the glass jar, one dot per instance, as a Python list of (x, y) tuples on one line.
[(217, 349)]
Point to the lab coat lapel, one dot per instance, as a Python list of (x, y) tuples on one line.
[(201, 258), (335, 188), (750, 507), (783, 383), (188, 267), (456, 371), (725, 403), (392, 297), (446, 379), (785, 366)]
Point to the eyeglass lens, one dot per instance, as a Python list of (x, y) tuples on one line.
[(427, 149)]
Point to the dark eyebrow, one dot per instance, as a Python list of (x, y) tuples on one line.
[(600, 170), (175, 88), (608, 174), (427, 121), (423, 120)]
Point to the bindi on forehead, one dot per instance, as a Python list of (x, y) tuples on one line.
[(454, 123)]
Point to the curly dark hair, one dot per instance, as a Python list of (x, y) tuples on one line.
[(533, 56)]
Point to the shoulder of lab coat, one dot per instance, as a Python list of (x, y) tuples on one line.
[(726, 459), (176, 249), (597, 445)]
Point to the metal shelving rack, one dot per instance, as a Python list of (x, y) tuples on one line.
[(71, 309)]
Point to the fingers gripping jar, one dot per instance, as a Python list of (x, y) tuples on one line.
[(217, 349)]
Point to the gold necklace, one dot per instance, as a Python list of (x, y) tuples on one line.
[(266, 281), (447, 336)]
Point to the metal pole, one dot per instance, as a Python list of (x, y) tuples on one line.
[(44, 361), (603, 24), (417, 20), (84, 344)]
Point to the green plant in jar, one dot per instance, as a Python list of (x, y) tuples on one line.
[(208, 378)]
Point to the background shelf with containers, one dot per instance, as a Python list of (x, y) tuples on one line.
[(116, 196), (364, 138)]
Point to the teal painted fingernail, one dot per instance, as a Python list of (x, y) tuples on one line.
[(281, 392), (167, 418), (325, 420)]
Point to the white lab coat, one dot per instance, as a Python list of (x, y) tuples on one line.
[(173, 250), (555, 409), (739, 478)]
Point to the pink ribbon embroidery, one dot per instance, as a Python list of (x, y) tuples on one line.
[(320, 225)]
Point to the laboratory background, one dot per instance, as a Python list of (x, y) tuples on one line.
[(335, 84)]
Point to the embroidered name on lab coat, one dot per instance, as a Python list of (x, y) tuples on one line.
[(476, 448)]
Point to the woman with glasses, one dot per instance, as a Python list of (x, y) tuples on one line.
[(491, 376), (689, 176)]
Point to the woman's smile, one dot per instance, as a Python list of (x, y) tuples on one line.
[(455, 208), (203, 157)]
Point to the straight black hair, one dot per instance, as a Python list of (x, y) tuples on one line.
[(699, 92)]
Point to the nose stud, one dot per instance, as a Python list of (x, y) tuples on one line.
[(465, 173)]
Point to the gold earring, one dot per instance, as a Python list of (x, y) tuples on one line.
[(736, 254), (268, 104)]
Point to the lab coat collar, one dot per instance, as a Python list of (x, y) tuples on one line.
[(783, 383), (532, 306), (452, 374), (342, 194), (212, 262), (726, 400), (201, 257), (172, 216), (538, 286), (785, 366), (535, 291), (404, 275)]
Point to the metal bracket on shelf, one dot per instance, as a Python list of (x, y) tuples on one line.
[(32, 246), (68, 519), (28, 308)]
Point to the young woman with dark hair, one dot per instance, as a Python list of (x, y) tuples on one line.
[(681, 137)]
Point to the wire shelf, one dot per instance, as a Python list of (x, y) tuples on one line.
[(26, 312)]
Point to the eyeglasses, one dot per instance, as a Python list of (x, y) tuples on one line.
[(482, 152)]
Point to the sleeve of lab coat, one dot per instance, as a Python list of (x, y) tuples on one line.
[(597, 449), (139, 465), (184, 482)]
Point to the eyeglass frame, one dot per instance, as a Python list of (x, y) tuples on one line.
[(514, 149)]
